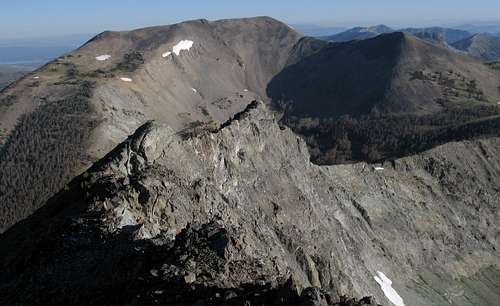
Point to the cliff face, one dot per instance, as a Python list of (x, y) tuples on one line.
[(239, 213)]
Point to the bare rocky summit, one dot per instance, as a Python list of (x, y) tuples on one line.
[(238, 215), (58, 120)]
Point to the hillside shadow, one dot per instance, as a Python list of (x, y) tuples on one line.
[(341, 78), (337, 99)]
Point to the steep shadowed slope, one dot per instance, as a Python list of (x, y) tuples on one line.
[(390, 73), (388, 96), (483, 46), (447, 35)]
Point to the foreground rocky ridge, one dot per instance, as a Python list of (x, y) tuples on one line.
[(239, 215)]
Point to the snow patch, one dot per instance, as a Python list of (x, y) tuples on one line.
[(103, 57), (389, 292), (245, 90), (37, 77), (126, 79), (379, 168), (182, 45)]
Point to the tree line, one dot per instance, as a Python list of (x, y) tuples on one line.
[(375, 138)]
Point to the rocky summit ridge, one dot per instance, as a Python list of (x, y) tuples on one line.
[(238, 215)]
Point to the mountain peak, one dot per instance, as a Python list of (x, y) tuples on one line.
[(189, 74), (481, 45), (359, 33), (381, 28)]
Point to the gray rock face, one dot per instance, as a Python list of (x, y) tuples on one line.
[(242, 204)]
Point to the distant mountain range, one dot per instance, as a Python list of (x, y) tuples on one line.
[(436, 33), (359, 33), (316, 30), (487, 28), (481, 45)]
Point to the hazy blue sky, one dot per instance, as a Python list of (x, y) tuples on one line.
[(32, 18)]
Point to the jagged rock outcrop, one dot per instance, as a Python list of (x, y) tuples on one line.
[(238, 214)]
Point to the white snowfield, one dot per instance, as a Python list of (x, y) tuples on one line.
[(103, 57), (37, 77), (126, 79), (183, 45), (379, 168), (389, 292)]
